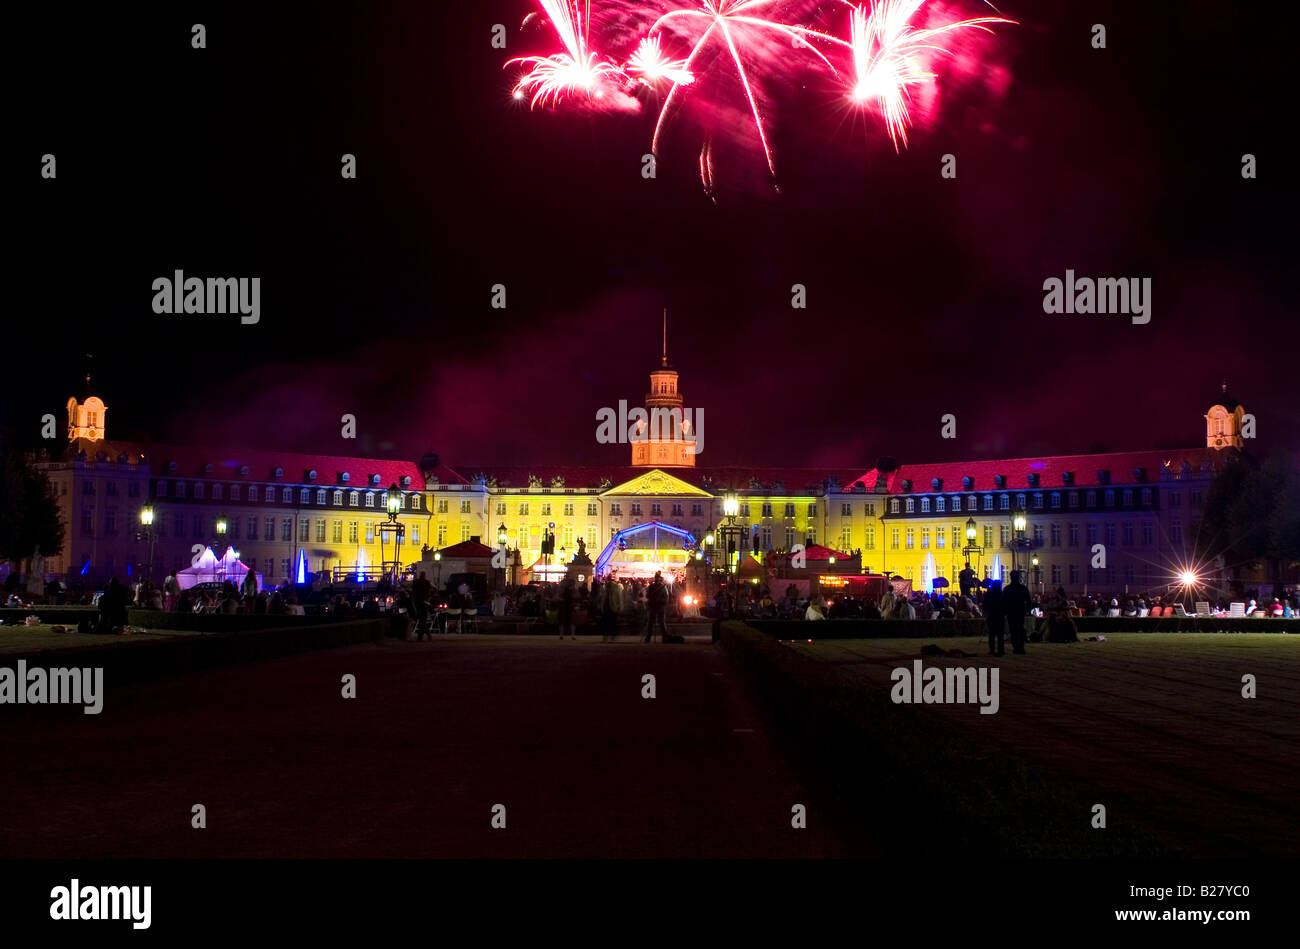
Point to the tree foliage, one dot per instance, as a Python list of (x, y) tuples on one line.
[(29, 511)]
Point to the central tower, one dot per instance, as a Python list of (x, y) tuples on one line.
[(668, 437)]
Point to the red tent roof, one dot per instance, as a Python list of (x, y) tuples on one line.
[(467, 549)]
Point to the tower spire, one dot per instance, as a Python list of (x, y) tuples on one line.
[(665, 356)]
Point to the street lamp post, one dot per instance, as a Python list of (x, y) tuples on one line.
[(971, 547), (1018, 523), (731, 532), (1038, 574), (222, 525), (146, 522), (393, 501), (503, 536)]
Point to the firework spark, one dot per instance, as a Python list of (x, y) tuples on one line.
[(882, 62), (888, 57), (578, 71), (649, 64)]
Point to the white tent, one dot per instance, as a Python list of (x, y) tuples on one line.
[(208, 569)]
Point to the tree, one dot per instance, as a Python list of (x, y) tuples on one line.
[(1252, 514), (29, 511)]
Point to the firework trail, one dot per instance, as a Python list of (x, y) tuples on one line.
[(579, 70), (727, 22), (887, 56)]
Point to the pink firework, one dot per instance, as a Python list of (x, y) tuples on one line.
[(579, 70), (729, 22), (650, 65), (889, 57)]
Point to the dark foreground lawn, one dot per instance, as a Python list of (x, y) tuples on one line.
[(1152, 726)]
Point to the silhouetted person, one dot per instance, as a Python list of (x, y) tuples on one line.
[(966, 580), (657, 608), (997, 620), (421, 593), (1016, 602)]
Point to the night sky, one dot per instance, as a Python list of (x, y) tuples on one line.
[(924, 295)]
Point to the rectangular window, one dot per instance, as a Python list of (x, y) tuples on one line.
[(370, 499), (521, 536), (304, 495), (1056, 574), (871, 508), (336, 532), (925, 538), (1038, 535), (789, 538), (656, 509), (465, 507), (1074, 499), (988, 536), (925, 505), (697, 509), (88, 521), (501, 509), (870, 539), (911, 538), (812, 510), (591, 539), (464, 533), (568, 509), (789, 510), (352, 499), (846, 538), (1128, 535), (415, 534), (635, 508), (1004, 535), (767, 509), (320, 496), (442, 535), (677, 510), (284, 567), (1092, 534), (546, 509), (252, 492), (320, 530), (180, 489), (160, 490), (304, 530), (1056, 535), (566, 537), (352, 532), (1074, 574), (593, 509), (940, 537), (616, 510), (846, 509), (1147, 534), (216, 492), (1175, 499), (196, 526), (765, 537), (286, 529), (1110, 535), (523, 508), (893, 538), (1074, 535), (268, 532)]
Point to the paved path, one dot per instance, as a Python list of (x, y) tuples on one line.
[(438, 734), (1153, 725)]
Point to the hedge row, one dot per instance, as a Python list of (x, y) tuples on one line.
[(1087, 626), (139, 661)]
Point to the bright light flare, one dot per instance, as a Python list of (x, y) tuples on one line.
[(889, 57), (1188, 578), (578, 71), (649, 64)]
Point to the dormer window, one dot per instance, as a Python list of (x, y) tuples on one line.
[(967, 482)]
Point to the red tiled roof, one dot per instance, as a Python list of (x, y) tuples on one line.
[(467, 549), (191, 461), (738, 477), (1120, 465)]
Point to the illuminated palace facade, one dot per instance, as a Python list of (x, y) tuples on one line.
[(1142, 507)]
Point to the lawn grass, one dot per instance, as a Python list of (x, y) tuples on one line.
[(24, 640), (1154, 727)]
